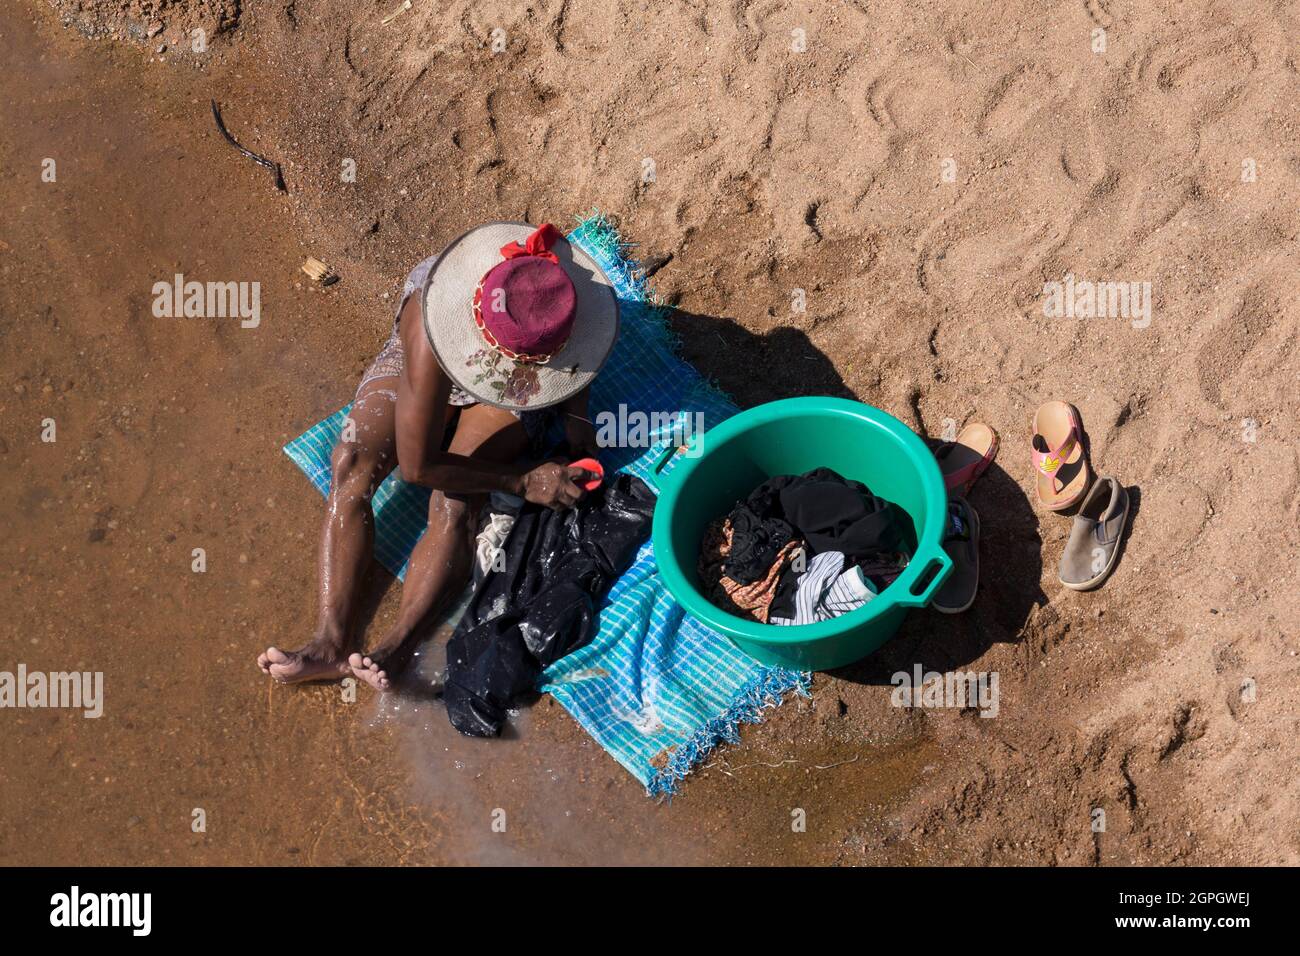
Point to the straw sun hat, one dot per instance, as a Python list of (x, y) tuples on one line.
[(517, 316)]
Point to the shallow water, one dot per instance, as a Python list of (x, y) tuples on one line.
[(169, 435)]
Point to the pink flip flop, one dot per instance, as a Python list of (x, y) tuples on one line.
[(1063, 474), (964, 460)]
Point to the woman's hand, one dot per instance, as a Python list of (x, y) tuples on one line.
[(554, 485)]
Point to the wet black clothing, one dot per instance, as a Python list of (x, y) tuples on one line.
[(558, 565), (832, 513), (756, 540)]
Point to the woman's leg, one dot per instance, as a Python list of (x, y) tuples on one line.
[(363, 457), (440, 564)]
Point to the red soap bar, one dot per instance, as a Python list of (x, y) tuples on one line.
[(592, 465)]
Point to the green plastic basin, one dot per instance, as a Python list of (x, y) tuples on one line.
[(791, 437)]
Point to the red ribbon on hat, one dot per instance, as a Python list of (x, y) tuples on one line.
[(538, 244)]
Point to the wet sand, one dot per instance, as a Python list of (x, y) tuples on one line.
[(168, 438)]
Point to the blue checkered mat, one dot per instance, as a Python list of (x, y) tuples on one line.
[(656, 688)]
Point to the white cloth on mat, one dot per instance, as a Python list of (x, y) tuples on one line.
[(496, 529)]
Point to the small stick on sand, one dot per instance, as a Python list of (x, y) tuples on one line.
[(832, 766), (406, 5), (260, 160)]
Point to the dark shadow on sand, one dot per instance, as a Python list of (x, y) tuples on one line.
[(754, 369)]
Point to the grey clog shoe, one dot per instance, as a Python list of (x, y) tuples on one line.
[(1093, 547)]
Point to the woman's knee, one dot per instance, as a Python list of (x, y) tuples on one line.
[(357, 468), (449, 513)]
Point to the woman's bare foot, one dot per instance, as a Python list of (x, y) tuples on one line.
[(380, 668), (315, 661)]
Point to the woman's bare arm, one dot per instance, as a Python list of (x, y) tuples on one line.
[(422, 393)]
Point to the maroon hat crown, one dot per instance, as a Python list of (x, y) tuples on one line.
[(525, 306)]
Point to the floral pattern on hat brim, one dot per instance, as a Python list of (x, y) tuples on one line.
[(514, 383)]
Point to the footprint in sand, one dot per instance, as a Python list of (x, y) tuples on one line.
[(1243, 348), (1098, 13), (912, 97), (1017, 99), (1203, 76)]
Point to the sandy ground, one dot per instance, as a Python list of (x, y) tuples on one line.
[(919, 172)]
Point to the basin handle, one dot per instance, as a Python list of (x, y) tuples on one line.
[(940, 560)]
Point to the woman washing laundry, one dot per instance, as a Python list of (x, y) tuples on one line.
[(494, 337)]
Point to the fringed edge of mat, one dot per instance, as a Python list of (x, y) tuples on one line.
[(766, 690), (600, 236)]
